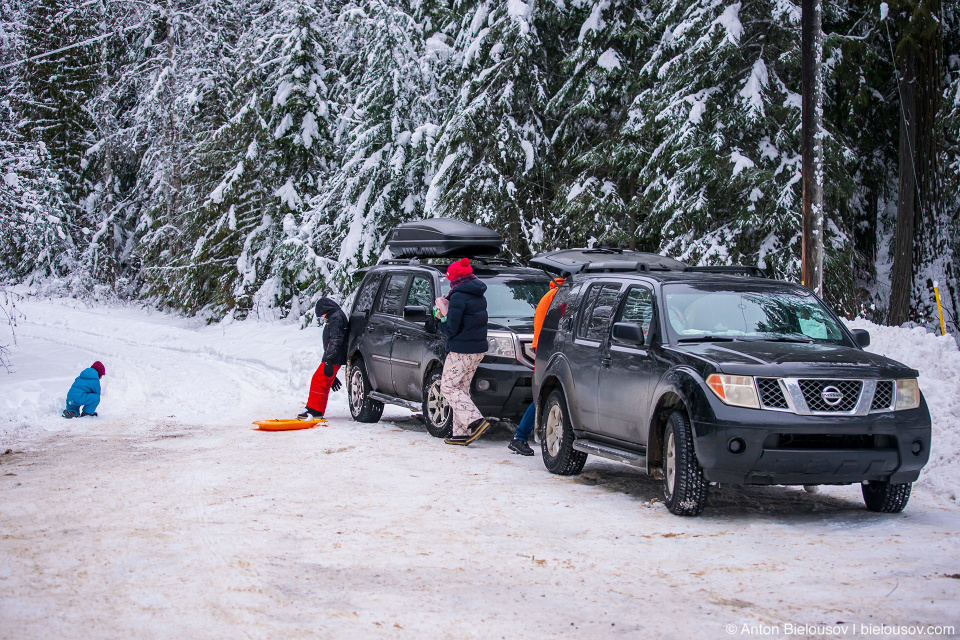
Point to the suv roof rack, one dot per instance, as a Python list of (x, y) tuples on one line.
[(570, 261), (620, 266), (742, 270)]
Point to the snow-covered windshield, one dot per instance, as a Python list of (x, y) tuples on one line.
[(510, 297), (705, 311)]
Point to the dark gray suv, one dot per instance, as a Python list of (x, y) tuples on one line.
[(396, 355), (726, 377)]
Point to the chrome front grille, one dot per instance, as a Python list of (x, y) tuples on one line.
[(771, 395), (527, 353), (831, 396), (825, 396), (883, 396)]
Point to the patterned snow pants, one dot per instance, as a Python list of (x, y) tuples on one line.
[(458, 370)]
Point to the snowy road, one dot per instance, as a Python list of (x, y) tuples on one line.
[(169, 516)]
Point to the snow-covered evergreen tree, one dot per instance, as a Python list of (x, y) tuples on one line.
[(391, 60), (720, 112), (598, 159), (493, 157)]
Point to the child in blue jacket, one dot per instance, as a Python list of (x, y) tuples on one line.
[(85, 392)]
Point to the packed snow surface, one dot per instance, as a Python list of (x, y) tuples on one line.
[(169, 516)]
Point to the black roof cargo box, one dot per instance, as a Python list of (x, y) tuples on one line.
[(443, 238), (569, 261)]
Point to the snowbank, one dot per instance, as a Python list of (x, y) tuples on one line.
[(158, 366), (938, 361)]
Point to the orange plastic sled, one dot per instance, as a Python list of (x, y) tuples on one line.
[(290, 424)]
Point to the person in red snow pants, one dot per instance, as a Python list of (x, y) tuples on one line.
[(320, 386), (334, 356)]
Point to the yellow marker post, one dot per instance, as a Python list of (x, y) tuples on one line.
[(936, 292)]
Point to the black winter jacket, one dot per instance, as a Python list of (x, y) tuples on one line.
[(334, 332), (466, 321)]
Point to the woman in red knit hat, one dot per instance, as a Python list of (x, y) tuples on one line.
[(463, 320)]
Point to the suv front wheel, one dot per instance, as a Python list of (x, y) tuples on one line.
[(684, 487), (886, 497), (436, 410), (363, 408), (559, 456)]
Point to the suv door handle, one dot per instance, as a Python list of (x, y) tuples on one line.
[(605, 360)]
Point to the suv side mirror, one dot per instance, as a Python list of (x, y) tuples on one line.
[(862, 336), (628, 332), (415, 313)]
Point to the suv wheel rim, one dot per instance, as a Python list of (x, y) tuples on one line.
[(554, 430), (437, 405), (356, 390), (671, 463)]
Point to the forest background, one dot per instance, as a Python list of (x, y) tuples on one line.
[(237, 157)]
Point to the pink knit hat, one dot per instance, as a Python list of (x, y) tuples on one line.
[(459, 269), (99, 368)]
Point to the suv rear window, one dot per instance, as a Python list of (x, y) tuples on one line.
[(602, 299), (392, 295), (367, 293)]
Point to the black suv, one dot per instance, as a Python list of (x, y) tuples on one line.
[(701, 377), (395, 354)]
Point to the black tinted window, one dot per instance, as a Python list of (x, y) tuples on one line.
[(638, 309), (367, 293), (421, 293), (393, 295), (601, 300)]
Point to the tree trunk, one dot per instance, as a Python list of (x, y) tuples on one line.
[(901, 279), (811, 147)]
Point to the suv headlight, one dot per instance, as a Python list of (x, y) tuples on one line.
[(501, 344), (908, 394), (737, 391)]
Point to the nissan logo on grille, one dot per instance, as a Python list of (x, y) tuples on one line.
[(831, 395)]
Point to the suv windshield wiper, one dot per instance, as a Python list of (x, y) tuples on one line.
[(707, 339), (782, 338)]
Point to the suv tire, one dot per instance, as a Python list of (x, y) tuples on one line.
[(886, 497), (559, 456), (684, 487), (437, 414), (362, 407)]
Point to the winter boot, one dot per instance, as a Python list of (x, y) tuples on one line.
[(310, 414), (457, 440), (520, 446), (84, 414), (478, 427), (67, 413)]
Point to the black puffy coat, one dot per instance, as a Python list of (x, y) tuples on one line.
[(334, 331), (466, 322)]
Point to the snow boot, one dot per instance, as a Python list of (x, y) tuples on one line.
[(458, 440), (84, 414), (310, 414), (520, 446), (67, 413)]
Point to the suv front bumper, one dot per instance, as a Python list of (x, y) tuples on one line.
[(785, 448), (508, 392)]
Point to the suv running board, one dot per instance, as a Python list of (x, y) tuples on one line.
[(382, 397), (613, 453)]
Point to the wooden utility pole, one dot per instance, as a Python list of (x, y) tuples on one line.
[(811, 144)]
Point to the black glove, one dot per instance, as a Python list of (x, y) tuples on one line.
[(336, 384), (327, 369)]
